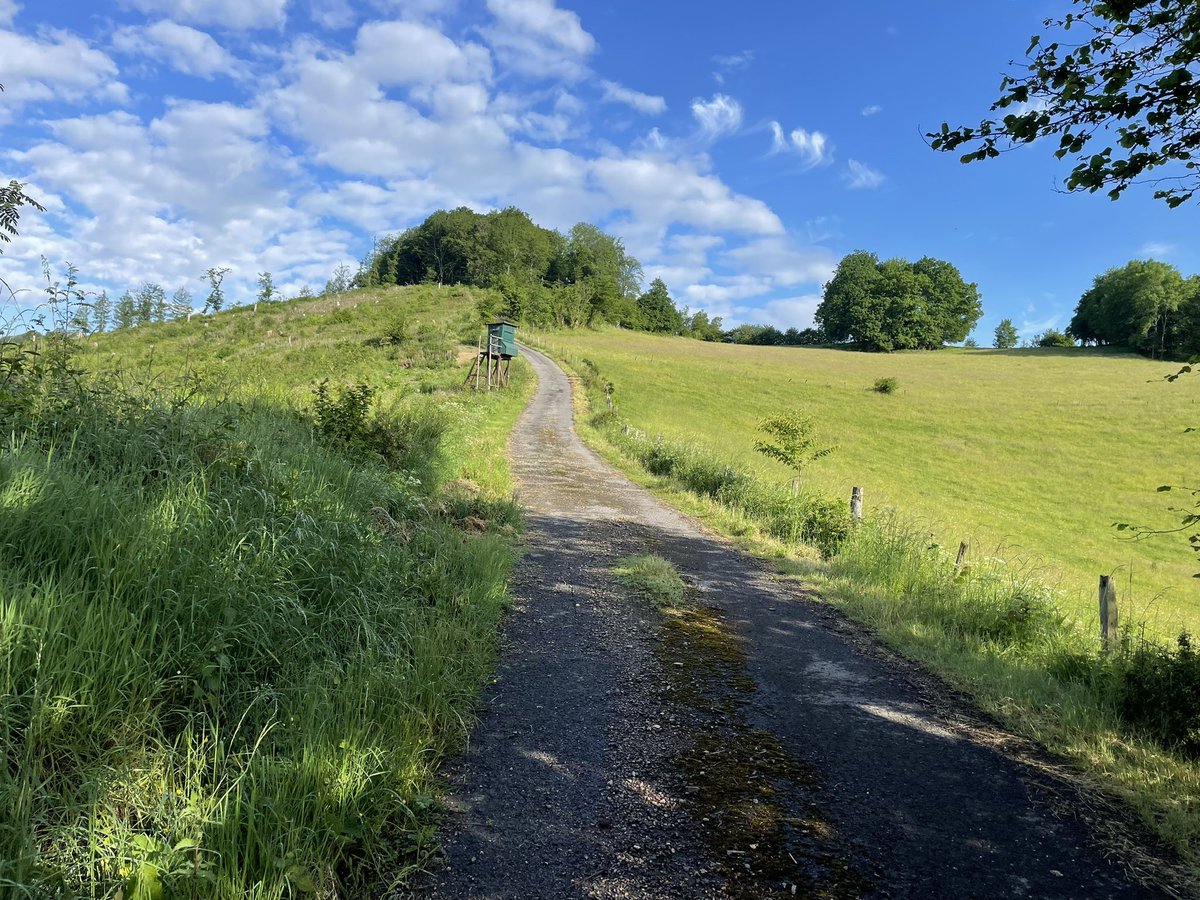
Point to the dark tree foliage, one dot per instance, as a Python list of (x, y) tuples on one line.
[(656, 310), (770, 336), (898, 305), (1124, 73), (1052, 338), (1144, 305)]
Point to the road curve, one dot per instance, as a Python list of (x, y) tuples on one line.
[(586, 775)]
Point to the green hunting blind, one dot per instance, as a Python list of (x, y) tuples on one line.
[(497, 347)]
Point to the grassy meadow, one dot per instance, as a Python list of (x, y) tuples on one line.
[(240, 625), (1027, 454)]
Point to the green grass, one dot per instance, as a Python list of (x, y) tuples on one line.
[(1025, 649), (232, 650), (652, 578), (1026, 454)]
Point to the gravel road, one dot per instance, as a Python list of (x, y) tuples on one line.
[(757, 746)]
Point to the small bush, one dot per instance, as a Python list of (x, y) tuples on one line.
[(886, 385), (395, 332), (1054, 339), (1159, 692)]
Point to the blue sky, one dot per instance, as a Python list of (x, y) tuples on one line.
[(740, 150)]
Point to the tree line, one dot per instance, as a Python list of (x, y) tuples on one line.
[(541, 277)]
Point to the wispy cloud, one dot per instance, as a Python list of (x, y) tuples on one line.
[(812, 147), (643, 103), (872, 109), (860, 176), (718, 116), (731, 63), (1157, 249)]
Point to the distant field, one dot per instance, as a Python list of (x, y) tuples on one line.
[(1026, 453)]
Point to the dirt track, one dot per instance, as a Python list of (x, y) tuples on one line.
[(760, 746)]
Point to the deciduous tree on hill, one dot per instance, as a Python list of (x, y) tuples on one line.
[(656, 310), (898, 305), (1006, 335), (1135, 306)]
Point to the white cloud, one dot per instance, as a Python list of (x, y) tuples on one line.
[(223, 13), (812, 147), (871, 110), (332, 14), (197, 187), (860, 176), (719, 116), (661, 192), (787, 263), (536, 38), (730, 63), (1157, 249), (183, 48), (791, 312), (56, 66), (1029, 329), (8, 11), (395, 53), (643, 103)]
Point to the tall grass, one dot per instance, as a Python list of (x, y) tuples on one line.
[(232, 648)]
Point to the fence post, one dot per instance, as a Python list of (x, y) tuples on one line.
[(962, 557), (856, 497), (1108, 613)]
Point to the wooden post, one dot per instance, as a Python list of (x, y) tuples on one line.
[(856, 497), (795, 487), (1108, 613), (962, 557), (478, 360)]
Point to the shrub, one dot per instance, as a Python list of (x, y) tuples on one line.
[(396, 330), (1054, 339), (1159, 692), (886, 385), (404, 438)]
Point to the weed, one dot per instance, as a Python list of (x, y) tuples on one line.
[(886, 385), (652, 577)]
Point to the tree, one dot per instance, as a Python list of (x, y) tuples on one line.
[(266, 289), (339, 282), (897, 305), (1006, 336), (126, 312), (1134, 306), (148, 302), (702, 328), (970, 344), (657, 311), (1131, 81), (181, 304), (101, 312), (216, 296), (795, 442)]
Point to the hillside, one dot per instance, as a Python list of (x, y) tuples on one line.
[(244, 615), (1031, 455)]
